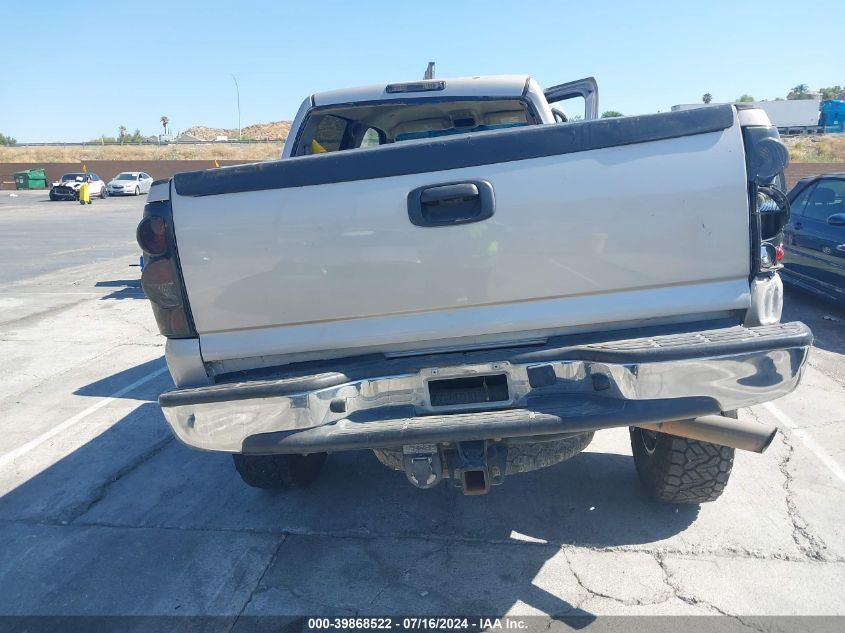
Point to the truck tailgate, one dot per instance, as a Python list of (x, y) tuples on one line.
[(595, 222)]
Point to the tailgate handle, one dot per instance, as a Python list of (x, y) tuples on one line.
[(451, 203), (449, 193)]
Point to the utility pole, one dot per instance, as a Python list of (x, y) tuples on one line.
[(238, 94)]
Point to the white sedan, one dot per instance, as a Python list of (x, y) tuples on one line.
[(130, 183)]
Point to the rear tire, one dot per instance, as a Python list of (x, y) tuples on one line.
[(679, 470), (103, 193), (279, 472), (137, 191)]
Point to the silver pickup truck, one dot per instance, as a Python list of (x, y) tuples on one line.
[(470, 281)]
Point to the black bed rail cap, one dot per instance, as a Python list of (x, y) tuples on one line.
[(470, 150)]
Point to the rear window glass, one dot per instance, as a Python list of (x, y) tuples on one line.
[(371, 124)]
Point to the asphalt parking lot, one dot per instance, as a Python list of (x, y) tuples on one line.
[(102, 512)]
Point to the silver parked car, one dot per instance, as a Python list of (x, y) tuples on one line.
[(130, 183)]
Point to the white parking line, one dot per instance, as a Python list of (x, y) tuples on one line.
[(11, 456), (808, 441)]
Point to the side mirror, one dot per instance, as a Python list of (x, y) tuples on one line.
[(837, 219)]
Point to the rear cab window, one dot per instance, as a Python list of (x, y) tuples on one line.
[(337, 128)]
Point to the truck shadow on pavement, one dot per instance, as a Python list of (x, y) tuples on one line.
[(380, 544), (127, 289), (112, 386)]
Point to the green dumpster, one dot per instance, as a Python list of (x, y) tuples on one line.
[(31, 179)]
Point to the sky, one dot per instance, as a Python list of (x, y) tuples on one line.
[(80, 69)]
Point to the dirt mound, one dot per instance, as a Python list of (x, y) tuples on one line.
[(274, 131)]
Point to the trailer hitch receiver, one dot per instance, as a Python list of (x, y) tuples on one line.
[(476, 466)]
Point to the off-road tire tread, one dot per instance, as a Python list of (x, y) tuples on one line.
[(523, 458), (682, 470), (279, 472)]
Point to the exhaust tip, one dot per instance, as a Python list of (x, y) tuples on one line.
[(475, 482), (768, 440)]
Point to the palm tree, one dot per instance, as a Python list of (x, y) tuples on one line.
[(164, 121), (707, 97), (121, 132)]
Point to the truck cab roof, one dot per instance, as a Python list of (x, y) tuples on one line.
[(498, 86), (512, 92)]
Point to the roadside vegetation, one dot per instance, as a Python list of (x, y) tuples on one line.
[(828, 148), (82, 153)]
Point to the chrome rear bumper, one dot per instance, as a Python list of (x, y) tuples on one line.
[(555, 389)]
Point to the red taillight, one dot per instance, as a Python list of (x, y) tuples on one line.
[(779, 252), (152, 235)]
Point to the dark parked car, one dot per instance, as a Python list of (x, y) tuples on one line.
[(814, 239)]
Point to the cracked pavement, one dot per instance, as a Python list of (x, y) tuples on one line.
[(103, 513)]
